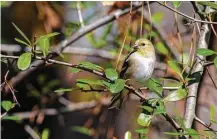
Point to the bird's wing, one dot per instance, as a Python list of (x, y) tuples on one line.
[(126, 64)]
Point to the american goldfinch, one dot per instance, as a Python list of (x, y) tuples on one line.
[(139, 64)]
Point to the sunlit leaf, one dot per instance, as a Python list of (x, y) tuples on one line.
[(117, 86), (24, 61), (128, 135), (22, 42), (14, 118), (215, 62), (176, 4), (44, 44), (75, 70), (48, 36), (92, 66), (82, 130), (111, 74), (63, 90), (144, 120), (7, 105), (157, 17), (21, 33), (205, 52), (45, 134), (213, 5), (176, 95)]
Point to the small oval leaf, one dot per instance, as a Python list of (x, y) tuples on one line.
[(117, 86), (7, 105), (44, 45), (128, 135), (24, 61), (111, 74), (177, 4), (144, 119), (176, 95), (205, 52)]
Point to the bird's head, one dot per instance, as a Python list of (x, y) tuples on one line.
[(144, 47)]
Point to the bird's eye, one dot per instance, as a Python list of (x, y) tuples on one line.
[(143, 44)]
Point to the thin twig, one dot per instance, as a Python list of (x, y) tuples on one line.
[(31, 132), (79, 14), (203, 123), (191, 18), (125, 36)]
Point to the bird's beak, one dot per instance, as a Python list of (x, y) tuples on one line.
[(135, 46)]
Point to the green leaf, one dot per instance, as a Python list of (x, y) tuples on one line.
[(44, 44), (157, 17), (176, 95), (63, 90), (144, 120), (111, 74), (176, 4), (75, 70), (7, 105), (45, 134), (147, 108), (82, 130), (215, 62), (160, 108), (193, 133), (46, 36), (128, 135), (21, 33), (14, 118), (174, 65), (91, 66), (117, 86), (142, 131), (22, 42), (24, 61), (205, 52), (51, 35), (212, 112), (154, 85), (213, 5), (161, 48)]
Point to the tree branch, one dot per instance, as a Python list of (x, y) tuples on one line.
[(203, 42)]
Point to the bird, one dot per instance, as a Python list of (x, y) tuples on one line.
[(138, 65)]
